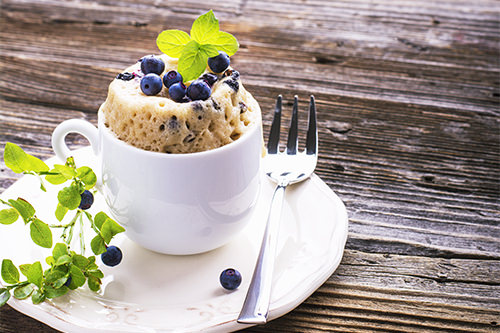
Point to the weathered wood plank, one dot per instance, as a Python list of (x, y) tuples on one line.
[(408, 95)]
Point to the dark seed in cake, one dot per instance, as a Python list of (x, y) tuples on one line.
[(197, 106), (173, 123), (126, 76), (215, 105), (243, 107), (234, 84)]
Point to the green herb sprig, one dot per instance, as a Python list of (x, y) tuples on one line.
[(67, 269), (193, 51)]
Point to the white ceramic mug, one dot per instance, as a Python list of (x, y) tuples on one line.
[(173, 203)]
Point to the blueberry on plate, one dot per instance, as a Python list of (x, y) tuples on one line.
[(219, 63), (209, 78), (199, 90), (87, 199), (230, 279), (152, 64), (171, 77), (112, 256), (177, 92), (151, 84), (68, 281)]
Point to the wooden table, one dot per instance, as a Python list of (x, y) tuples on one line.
[(408, 100)]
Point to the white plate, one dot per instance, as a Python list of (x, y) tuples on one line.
[(150, 292)]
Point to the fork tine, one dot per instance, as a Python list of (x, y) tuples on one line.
[(274, 135), (291, 145), (312, 131)]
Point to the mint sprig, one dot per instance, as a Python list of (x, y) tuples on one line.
[(68, 270), (205, 41)]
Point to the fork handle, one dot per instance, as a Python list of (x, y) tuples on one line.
[(256, 305)]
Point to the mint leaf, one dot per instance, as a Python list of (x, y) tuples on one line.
[(192, 62), (37, 297), (69, 197), (10, 274), (87, 176), (224, 41), (171, 42), (97, 244), (40, 234), (208, 51), (24, 208), (4, 296), (23, 292), (204, 27), (8, 216), (18, 161), (35, 274)]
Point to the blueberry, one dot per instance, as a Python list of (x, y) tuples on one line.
[(198, 90), (68, 281), (112, 256), (171, 77), (230, 279), (177, 92), (87, 199), (152, 64), (209, 78), (219, 63), (151, 84)]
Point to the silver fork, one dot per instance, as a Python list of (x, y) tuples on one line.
[(284, 168)]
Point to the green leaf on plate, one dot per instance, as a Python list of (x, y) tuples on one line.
[(94, 283), (69, 197), (77, 277), (10, 274), (52, 292), (23, 292), (24, 208), (87, 176), (8, 216), (109, 229), (24, 269), (97, 244), (35, 274), (80, 261), (37, 297), (18, 161), (41, 234), (4, 296), (61, 212), (59, 250)]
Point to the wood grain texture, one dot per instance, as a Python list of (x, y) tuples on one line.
[(408, 94)]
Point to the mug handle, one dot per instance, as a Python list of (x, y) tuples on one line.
[(79, 126)]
